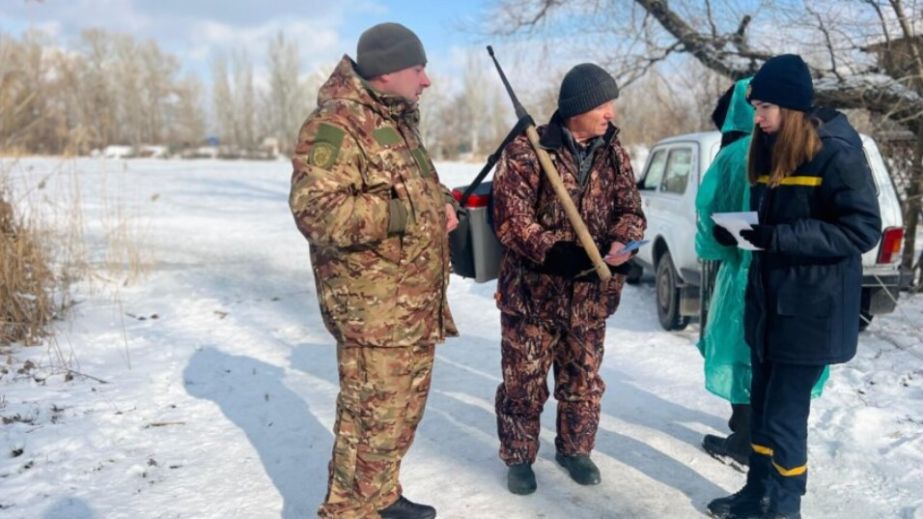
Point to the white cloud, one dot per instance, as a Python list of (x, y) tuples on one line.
[(315, 38), (197, 30)]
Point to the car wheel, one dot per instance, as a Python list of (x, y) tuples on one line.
[(865, 319), (668, 295)]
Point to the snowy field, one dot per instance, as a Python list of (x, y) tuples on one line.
[(220, 381)]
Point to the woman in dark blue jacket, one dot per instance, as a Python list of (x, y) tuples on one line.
[(813, 191)]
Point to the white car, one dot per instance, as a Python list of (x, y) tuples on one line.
[(668, 185)]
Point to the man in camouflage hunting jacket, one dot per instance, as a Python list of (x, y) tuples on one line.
[(366, 196), (553, 306)]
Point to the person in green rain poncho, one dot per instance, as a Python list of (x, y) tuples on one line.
[(725, 188)]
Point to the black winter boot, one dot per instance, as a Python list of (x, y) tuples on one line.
[(751, 501), (403, 508), (740, 417), (748, 503), (735, 447), (784, 503), (580, 467), (520, 479)]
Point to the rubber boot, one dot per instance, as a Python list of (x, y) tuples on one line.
[(520, 479), (580, 467)]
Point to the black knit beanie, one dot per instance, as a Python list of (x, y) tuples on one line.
[(585, 87), (386, 48), (720, 113), (785, 81)]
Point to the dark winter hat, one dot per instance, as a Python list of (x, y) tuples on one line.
[(720, 113), (388, 47), (584, 88), (785, 81)]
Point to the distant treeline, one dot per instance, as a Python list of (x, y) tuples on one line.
[(110, 89)]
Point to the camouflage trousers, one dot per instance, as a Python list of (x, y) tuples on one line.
[(382, 396), (528, 349)]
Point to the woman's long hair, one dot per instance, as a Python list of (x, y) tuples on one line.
[(795, 143)]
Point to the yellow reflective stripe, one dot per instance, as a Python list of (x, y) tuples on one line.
[(798, 180), (797, 471), (761, 449)]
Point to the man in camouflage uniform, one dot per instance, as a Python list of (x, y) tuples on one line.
[(366, 196), (553, 306)]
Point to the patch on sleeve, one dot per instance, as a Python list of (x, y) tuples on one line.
[(419, 155), (326, 148), (386, 136)]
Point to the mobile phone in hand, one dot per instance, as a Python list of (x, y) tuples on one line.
[(633, 245)]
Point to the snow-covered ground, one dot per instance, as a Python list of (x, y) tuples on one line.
[(220, 381)]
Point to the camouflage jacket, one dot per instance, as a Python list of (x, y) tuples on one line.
[(357, 154), (530, 219)]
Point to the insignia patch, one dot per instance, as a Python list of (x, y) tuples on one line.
[(422, 159), (386, 136), (326, 147), (322, 155)]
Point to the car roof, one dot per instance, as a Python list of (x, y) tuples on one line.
[(707, 137)]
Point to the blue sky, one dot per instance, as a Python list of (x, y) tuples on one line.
[(195, 30)]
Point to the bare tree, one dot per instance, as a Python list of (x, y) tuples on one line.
[(223, 107), (24, 82), (285, 105), (94, 88), (158, 71), (433, 105), (473, 98), (108, 90), (469, 116), (128, 89), (186, 122), (244, 99), (234, 102)]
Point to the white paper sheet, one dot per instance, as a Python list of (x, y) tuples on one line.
[(736, 222)]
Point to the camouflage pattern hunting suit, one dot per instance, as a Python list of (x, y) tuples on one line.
[(547, 319), (366, 196)]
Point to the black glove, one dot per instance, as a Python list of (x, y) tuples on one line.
[(566, 259), (760, 236), (624, 268), (592, 275), (723, 236)]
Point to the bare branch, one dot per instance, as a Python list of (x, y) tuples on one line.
[(909, 37), (829, 41), (881, 18), (643, 68), (709, 51), (711, 21)]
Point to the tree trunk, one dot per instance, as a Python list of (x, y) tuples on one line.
[(912, 209)]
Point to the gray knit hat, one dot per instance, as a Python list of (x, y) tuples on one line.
[(584, 88), (388, 47)]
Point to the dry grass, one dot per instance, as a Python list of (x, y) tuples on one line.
[(27, 281), (60, 244), (127, 255)]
